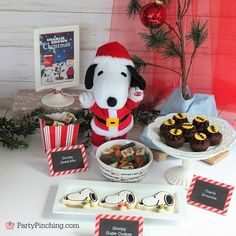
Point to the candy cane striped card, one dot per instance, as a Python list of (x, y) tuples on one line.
[(210, 195), (118, 225), (67, 160)]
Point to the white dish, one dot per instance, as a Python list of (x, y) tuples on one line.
[(119, 175), (106, 188), (228, 138)]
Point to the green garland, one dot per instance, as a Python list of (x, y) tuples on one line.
[(14, 133)]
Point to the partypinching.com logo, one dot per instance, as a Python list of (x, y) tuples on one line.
[(9, 225), (38, 225)]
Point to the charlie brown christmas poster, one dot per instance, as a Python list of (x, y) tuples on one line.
[(56, 57)]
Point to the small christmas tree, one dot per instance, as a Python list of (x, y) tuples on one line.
[(170, 41)]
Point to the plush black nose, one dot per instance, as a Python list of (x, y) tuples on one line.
[(111, 102)]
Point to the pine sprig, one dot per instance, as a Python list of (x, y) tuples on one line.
[(144, 116), (84, 117), (198, 33), (133, 8), (172, 50), (139, 63), (14, 132), (156, 38)]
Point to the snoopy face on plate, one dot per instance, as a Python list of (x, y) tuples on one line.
[(83, 195), (124, 196), (160, 198)]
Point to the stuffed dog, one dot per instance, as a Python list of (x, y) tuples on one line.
[(116, 89)]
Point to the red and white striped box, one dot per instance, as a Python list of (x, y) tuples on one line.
[(115, 218), (68, 171), (58, 136), (229, 188)]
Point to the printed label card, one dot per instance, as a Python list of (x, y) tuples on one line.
[(67, 160), (116, 225), (210, 195)]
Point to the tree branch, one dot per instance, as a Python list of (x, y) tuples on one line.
[(191, 61), (186, 9), (182, 49), (167, 68), (173, 29), (185, 2)]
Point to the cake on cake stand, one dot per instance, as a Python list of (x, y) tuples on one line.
[(182, 175)]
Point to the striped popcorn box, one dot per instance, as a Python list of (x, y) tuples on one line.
[(58, 136), (133, 225)]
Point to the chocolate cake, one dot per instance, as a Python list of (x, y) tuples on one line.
[(180, 118), (199, 142), (188, 131), (166, 126), (174, 138), (214, 135), (201, 124)]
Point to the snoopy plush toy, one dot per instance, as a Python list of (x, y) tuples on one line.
[(114, 89)]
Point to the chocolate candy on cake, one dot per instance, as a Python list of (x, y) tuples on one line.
[(167, 126), (175, 138), (188, 131), (199, 142), (214, 135), (180, 118), (201, 124)]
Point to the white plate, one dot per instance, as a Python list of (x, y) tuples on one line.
[(185, 152), (106, 188)]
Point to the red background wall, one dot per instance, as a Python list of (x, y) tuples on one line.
[(213, 69)]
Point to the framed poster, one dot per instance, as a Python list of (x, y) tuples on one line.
[(56, 57)]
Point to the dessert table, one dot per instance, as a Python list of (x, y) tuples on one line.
[(28, 192)]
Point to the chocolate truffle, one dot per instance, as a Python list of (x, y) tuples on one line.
[(201, 124), (199, 142), (166, 126), (188, 131), (180, 118), (214, 135), (175, 138)]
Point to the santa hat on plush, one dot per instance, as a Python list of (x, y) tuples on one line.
[(113, 52)]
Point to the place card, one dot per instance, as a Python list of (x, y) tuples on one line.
[(210, 195), (67, 160), (115, 225)]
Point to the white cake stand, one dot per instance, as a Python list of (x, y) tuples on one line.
[(57, 99), (182, 175)]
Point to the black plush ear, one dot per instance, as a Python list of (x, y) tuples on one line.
[(89, 76), (136, 79)]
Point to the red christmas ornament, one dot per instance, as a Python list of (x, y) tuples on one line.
[(153, 15)]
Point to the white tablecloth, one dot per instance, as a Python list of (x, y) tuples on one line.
[(27, 192)]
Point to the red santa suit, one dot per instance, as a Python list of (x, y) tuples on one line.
[(111, 123)]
